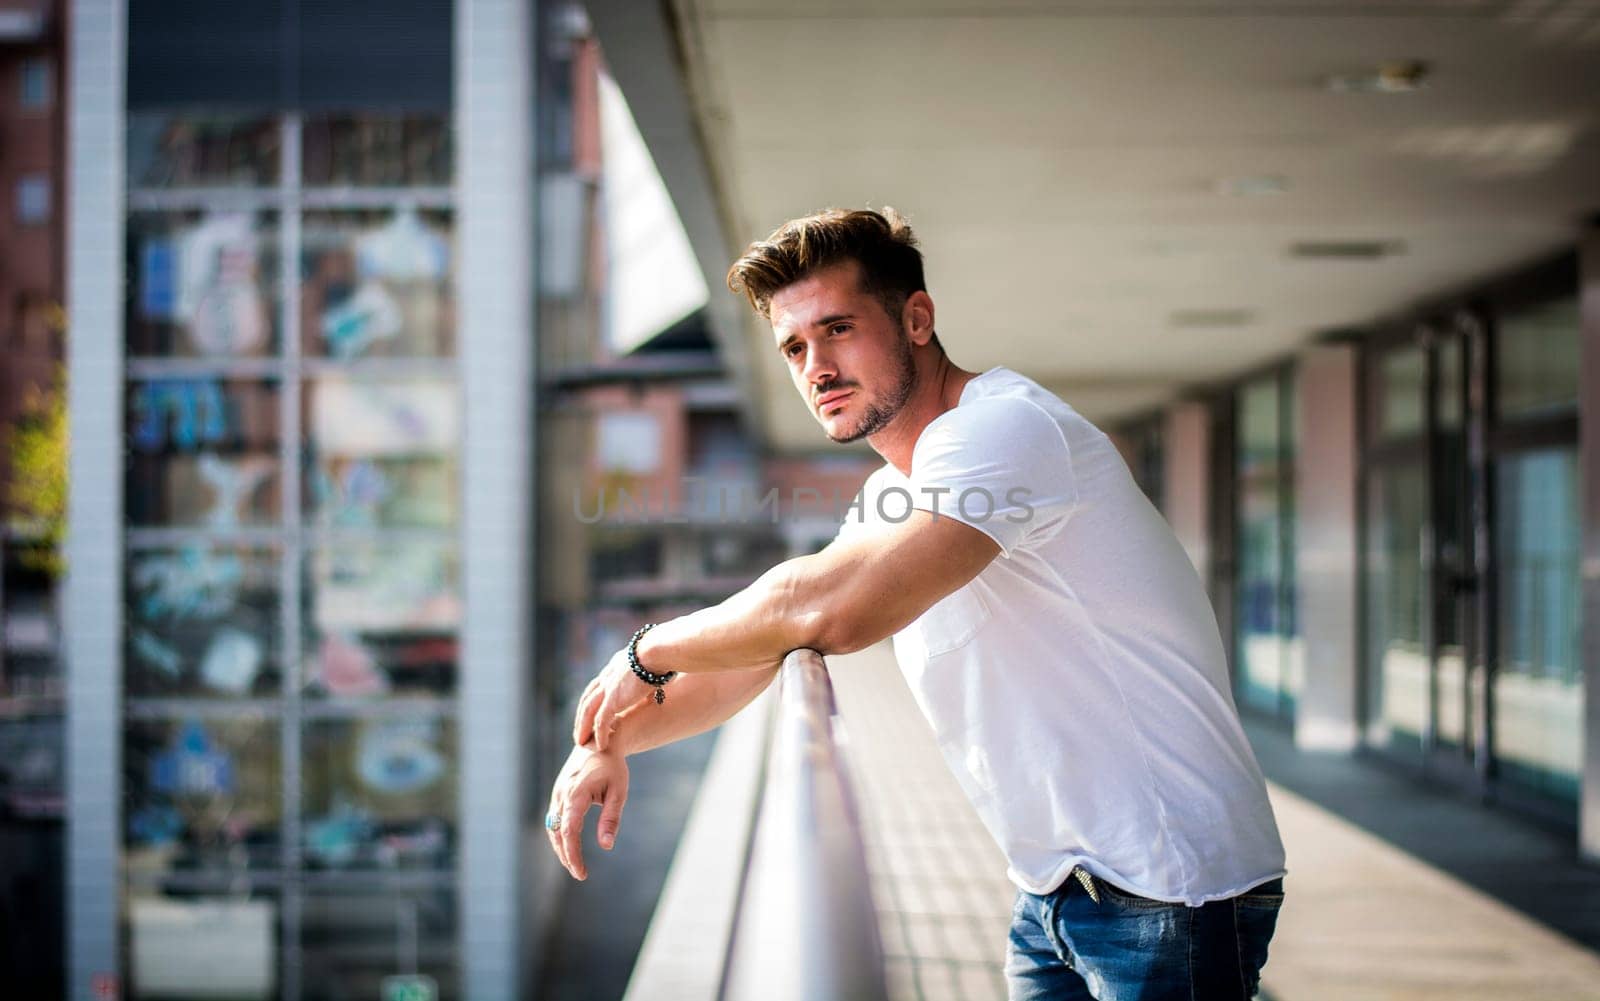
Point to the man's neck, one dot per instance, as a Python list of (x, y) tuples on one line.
[(938, 389)]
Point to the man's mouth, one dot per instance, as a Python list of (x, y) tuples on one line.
[(827, 399)]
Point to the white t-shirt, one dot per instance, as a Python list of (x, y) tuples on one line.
[(1078, 686)]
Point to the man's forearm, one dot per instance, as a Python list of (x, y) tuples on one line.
[(698, 703), (752, 630)]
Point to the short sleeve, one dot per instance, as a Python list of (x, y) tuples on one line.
[(1001, 465)]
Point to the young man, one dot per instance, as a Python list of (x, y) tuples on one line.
[(1049, 624)]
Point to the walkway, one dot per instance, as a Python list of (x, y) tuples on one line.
[(1365, 920)]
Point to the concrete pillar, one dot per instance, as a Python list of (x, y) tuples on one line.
[(92, 592), (1187, 489), (1326, 537), (1589, 476), (494, 114)]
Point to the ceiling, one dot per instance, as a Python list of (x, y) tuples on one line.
[(1107, 193)]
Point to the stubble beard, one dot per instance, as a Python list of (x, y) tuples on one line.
[(882, 411)]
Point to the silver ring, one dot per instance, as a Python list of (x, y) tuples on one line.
[(552, 821)]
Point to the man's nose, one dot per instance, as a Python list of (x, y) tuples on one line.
[(819, 368)]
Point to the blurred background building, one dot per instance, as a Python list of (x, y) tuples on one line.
[(402, 388)]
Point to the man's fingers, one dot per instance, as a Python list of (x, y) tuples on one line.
[(602, 724), (586, 715), (580, 721), (555, 836), (611, 813), (572, 840)]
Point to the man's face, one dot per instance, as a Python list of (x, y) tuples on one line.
[(850, 360)]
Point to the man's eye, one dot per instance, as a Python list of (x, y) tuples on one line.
[(792, 350), (838, 328)]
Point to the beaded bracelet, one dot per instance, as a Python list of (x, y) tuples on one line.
[(644, 674)]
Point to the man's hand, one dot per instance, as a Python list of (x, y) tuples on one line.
[(588, 777), (614, 691)]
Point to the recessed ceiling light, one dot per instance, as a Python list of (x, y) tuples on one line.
[(1212, 317), (1252, 185), (1347, 250), (1404, 76)]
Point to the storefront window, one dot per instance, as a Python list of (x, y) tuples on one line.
[(293, 599), (1402, 392), (203, 621), (1268, 649), (1536, 371), (1538, 686), (204, 284), (376, 284)]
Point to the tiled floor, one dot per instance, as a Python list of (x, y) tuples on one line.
[(939, 881), (1370, 916)]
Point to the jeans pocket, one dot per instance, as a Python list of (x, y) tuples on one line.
[(1122, 898), (1255, 918)]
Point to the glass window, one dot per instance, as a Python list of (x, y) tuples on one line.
[(628, 442), (33, 200), (200, 151), (377, 150), (1267, 650), (184, 945), (380, 793), (202, 284), (1398, 675), (203, 621), (381, 452), (1537, 361), (1402, 385), (1538, 681), (381, 618), (202, 452), (36, 90), (376, 284), (371, 944), (202, 794)]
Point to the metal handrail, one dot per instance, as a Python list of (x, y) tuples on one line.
[(807, 929)]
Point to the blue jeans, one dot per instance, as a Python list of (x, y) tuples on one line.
[(1065, 946)]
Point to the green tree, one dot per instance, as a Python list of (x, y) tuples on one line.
[(38, 500)]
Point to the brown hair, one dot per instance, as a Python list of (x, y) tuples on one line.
[(881, 242)]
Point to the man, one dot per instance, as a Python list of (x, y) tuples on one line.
[(1049, 624)]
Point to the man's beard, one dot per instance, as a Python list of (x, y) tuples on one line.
[(881, 412)]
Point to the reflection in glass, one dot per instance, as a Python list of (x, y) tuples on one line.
[(381, 619), (203, 620), (376, 284), (201, 794), (1402, 382), (380, 793), (190, 151), (1538, 681), (351, 941), (202, 284), (1398, 680), (202, 946), (376, 150), (1537, 366), (381, 452)]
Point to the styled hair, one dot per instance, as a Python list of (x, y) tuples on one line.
[(881, 242)]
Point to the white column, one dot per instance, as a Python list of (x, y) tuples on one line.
[(92, 592), (1327, 544), (494, 117)]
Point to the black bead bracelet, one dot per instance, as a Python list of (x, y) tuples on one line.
[(644, 674)]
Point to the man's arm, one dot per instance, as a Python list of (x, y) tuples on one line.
[(699, 703), (849, 596)]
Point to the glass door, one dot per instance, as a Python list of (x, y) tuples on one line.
[(1424, 687)]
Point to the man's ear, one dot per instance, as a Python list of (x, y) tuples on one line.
[(917, 318)]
